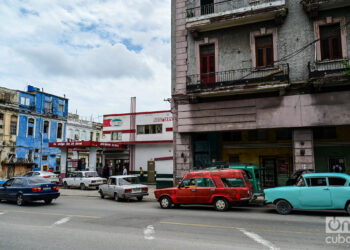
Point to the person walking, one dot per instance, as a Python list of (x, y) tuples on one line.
[(141, 174), (125, 171)]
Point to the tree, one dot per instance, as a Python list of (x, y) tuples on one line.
[(347, 66)]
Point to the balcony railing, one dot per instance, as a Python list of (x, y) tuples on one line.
[(241, 77), (223, 6), (324, 68)]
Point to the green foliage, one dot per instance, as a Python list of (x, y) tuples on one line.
[(347, 65)]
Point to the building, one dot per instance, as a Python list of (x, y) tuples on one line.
[(149, 138), (42, 120), (261, 81), (8, 131), (82, 130)]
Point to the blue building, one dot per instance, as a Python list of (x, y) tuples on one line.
[(42, 119)]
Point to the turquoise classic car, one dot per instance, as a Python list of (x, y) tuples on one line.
[(313, 191)]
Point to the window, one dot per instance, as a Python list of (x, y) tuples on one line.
[(325, 133), (258, 135), (30, 130), (232, 136), (264, 51), (116, 136), (18, 182), (337, 164), (234, 159), (336, 181), (112, 181), (23, 100), (331, 47), (13, 125), (59, 130), (7, 97), (188, 183), (207, 7), (283, 134), (91, 136), (233, 182), (205, 182), (150, 129), (316, 182), (97, 137), (60, 107), (44, 157), (1, 122), (48, 107), (207, 63), (46, 127)]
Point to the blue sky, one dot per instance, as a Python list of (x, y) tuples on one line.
[(97, 52)]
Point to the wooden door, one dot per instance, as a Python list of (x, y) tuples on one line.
[(207, 63)]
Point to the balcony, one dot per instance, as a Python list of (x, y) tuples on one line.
[(231, 13), (239, 81), (333, 72), (314, 6)]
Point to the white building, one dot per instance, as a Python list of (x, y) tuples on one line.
[(149, 136)]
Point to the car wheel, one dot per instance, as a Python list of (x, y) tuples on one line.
[(117, 198), (221, 204), (283, 207), (82, 186), (348, 208), (165, 202), (139, 198), (101, 194), (65, 185), (48, 201), (20, 200)]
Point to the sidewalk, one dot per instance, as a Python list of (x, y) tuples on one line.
[(95, 193)]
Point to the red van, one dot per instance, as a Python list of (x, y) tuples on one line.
[(222, 188)]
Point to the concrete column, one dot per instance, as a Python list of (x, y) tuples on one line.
[(303, 149), (92, 158), (63, 166), (183, 160)]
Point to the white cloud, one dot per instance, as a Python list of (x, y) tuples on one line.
[(99, 53)]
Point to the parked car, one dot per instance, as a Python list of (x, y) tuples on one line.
[(84, 180), (22, 189), (295, 176), (45, 174), (313, 191), (123, 187), (222, 188), (2, 181)]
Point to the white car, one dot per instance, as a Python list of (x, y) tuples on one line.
[(84, 180), (52, 177), (123, 187)]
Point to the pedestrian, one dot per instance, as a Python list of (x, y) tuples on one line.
[(125, 171), (105, 172), (141, 174)]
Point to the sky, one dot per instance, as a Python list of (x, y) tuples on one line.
[(99, 53)]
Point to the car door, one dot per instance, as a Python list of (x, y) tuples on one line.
[(186, 192), (78, 179), (315, 194), (5, 188), (16, 186), (339, 192), (205, 189), (111, 187)]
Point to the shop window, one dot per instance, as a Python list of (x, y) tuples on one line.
[(13, 125), (207, 63), (207, 7), (30, 129), (258, 135), (283, 134), (336, 181), (150, 129), (331, 47), (264, 51), (325, 133), (46, 127), (232, 136), (59, 130)]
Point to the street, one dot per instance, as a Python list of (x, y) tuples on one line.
[(88, 222)]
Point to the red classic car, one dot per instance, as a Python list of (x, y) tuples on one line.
[(222, 188)]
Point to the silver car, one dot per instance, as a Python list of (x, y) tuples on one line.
[(52, 177), (122, 187)]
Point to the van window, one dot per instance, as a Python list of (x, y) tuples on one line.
[(233, 182), (205, 182)]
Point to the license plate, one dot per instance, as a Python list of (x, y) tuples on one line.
[(136, 190), (47, 188)]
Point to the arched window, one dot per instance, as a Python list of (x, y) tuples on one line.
[(30, 130), (13, 125)]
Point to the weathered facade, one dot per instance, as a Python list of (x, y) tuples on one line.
[(262, 82), (8, 128), (42, 120)]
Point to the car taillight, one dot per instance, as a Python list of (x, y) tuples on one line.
[(144, 189), (127, 190), (55, 188), (36, 189), (93, 181), (46, 176), (104, 181)]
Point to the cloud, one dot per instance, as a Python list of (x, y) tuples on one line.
[(98, 53)]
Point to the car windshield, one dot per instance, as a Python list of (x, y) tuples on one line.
[(128, 181), (91, 174), (38, 180)]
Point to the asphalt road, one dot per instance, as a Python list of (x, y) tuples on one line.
[(74, 222)]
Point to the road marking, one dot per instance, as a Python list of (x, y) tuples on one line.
[(149, 232), (257, 238), (61, 221), (55, 214), (239, 228), (2, 213)]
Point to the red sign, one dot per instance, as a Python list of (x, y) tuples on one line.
[(85, 144)]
